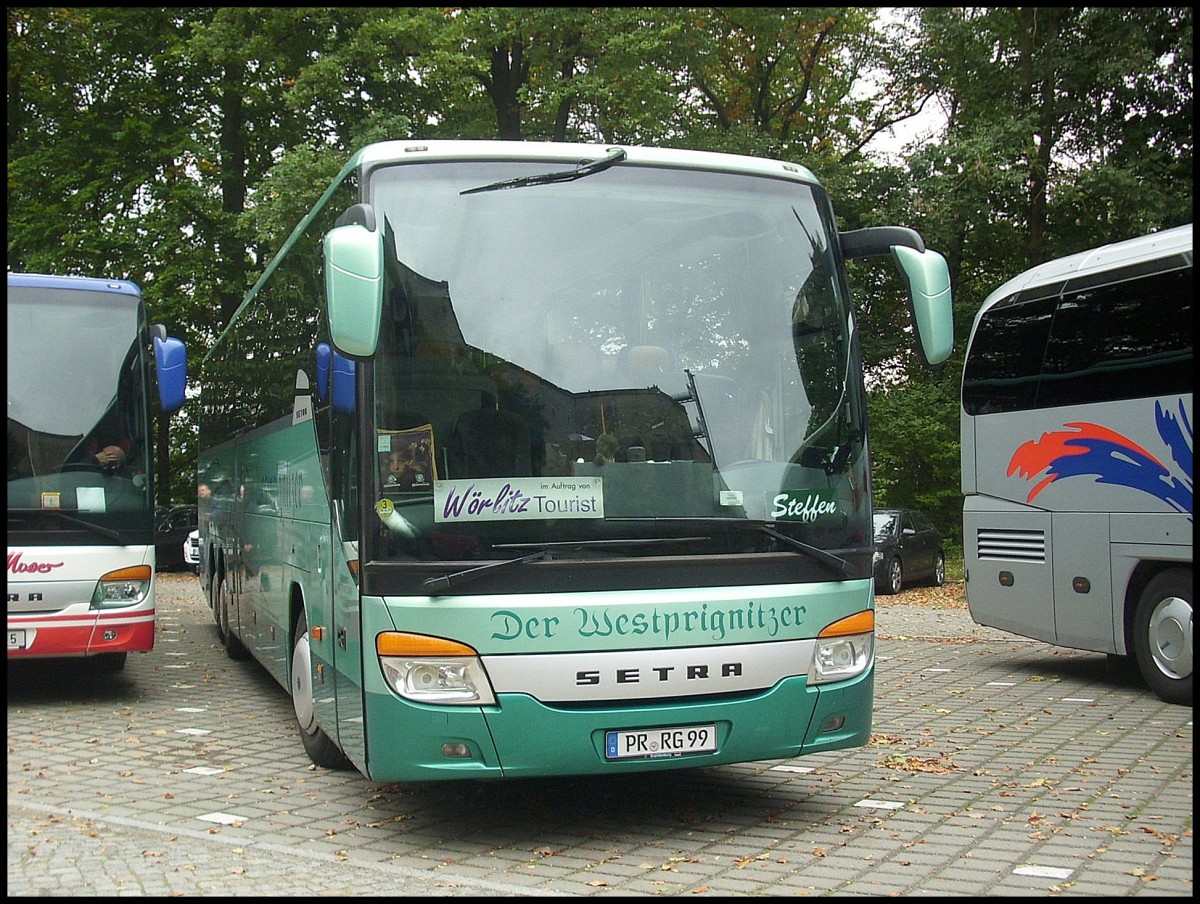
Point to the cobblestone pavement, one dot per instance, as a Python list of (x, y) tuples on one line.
[(997, 767)]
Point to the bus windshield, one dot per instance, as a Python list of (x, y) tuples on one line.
[(85, 347), (567, 366)]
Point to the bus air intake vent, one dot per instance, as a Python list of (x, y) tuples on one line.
[(1023, 545)]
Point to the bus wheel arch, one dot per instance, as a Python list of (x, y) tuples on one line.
[(321, 749), (1159, 633)]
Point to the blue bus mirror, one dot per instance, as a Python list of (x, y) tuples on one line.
[(170, 366), (344, 379), (323, 353)]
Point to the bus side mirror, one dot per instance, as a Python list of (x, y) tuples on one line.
[(323, 353), (354, 286), (929, 301), (344, 378), (170, 366), (927, 277)]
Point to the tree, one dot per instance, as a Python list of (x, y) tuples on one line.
[(179, 146), (1066, 128)]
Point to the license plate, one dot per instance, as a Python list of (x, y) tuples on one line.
[(16, 638), (645, 743)]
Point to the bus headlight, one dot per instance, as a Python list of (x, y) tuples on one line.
[(844, 649), (123, 587), (432, 670)]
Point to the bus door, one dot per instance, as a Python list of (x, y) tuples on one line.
[(340, 700)]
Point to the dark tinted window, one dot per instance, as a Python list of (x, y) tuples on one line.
[(1123, 340), (1005, 358), (1120, 341)]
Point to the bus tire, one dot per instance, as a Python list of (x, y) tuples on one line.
[(317, 744), (1162, 635), (233, 646)]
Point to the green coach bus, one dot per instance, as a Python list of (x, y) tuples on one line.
[(528, 459)]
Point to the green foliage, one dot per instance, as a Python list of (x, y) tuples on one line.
[(178, 146), (915, 451)]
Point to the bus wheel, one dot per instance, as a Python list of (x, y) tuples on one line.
[(233, 646), (318, 745), (1162, 636)]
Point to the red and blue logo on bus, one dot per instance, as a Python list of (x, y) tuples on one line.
[(1086, 449)]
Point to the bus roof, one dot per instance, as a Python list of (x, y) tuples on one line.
[(570, 154), (82, 283), (1155, 246)]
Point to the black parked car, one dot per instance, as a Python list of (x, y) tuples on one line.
[(907, 548), (171, 529)]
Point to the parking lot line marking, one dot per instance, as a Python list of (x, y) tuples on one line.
[(1043, 872), (880, 804), (225, 819)]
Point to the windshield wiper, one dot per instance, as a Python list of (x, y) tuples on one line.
[(105, 532), (444, 582), (614, 156), (837, 563)]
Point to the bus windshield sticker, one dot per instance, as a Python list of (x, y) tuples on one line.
[(803, 505), (406, 458), (90, 499), (517, 499)]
